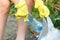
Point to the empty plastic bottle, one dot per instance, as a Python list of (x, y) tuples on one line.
[(36, 25)]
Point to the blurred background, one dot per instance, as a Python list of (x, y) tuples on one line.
[(11, 27)]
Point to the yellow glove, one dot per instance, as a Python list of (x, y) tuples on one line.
[(43, 10), (22, 10)]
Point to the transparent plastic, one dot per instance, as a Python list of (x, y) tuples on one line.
[(36, 25)]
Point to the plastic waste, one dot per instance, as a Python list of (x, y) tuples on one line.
[(52, 34), (36, 25)]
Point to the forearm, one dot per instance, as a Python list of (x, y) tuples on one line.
[(3, 16), (21, 30), (30, 4), (21, 25), (3, 19)]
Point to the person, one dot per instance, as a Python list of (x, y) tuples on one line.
[(4, 12)]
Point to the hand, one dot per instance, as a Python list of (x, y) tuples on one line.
[(22, 8), (43, 9)]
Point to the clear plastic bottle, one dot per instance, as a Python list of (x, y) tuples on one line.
[(36, 25)]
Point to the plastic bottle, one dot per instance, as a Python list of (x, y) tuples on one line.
[(36, 25)]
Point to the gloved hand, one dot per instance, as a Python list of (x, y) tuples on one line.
[(43, 10), (22, 10)]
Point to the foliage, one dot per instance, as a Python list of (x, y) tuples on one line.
[(54, 7)]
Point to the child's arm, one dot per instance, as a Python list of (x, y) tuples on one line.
[(21, 30), (30, 4), (4, 11), (21, 25)]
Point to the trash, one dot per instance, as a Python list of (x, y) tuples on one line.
[(36, 25), (52, 34)]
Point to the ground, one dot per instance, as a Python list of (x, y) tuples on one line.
[(11, 29)]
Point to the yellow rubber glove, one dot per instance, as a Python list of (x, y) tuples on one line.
[(22, 10), (43, 10)]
